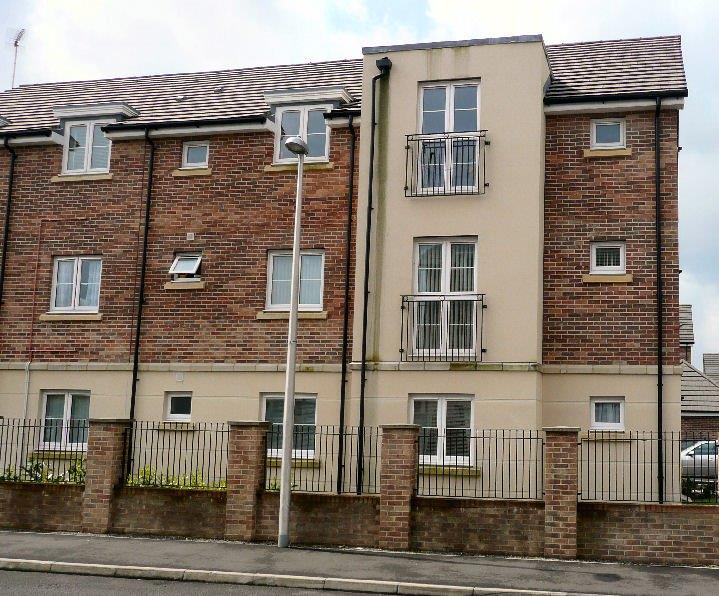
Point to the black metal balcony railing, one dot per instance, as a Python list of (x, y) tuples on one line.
[(442, 328), (446, 164)]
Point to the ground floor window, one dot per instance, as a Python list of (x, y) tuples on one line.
[(178, 406), (65, 419), (445, 429), (303, 439), (607, 413)]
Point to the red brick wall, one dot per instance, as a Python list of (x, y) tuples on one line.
[(169, 512), (478, 526), (331, 520), (41, 507), (238, 214), (608, 199), (703, 425), (649, 533)]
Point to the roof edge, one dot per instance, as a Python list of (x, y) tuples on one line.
[(259, 119), (462, 43), (701, 373), (617, 96)]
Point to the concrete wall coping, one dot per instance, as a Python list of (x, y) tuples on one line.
[(257, 423), (561, 429), (399, 427)]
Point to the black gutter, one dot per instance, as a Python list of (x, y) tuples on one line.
[(384, 65), (346, 314), (616, 96), (660, 292), (8, 205), (143, 272), (259, 119)]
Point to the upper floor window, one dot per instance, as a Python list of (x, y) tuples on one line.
[(307, 122), (279, 280), (65, 419), (186, 267), (195, 154), (608, 258), (608, 134), (451, 107), (86, 148), (76, 284)]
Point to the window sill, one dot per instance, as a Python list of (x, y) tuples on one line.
[(185, 285), (71, 316), (599, 278), (464, 471), (292, 167), (189, 172), (269, 315), (81, 177), (592, 153), (276, 462)]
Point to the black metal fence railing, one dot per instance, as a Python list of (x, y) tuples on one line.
[(47, 450), (327, 459), (442, 328), (627, 467), (446, 164), (176, 455), (493, 464)]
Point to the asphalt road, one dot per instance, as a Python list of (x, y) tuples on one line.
[(15, 583)]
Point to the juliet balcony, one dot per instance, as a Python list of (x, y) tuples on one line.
[(446, 164), (442, 328)]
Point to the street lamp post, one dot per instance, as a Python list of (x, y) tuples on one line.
[(299, 148)]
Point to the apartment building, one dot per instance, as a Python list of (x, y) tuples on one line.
[(506, 209)]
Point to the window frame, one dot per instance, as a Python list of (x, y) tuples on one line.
[(614, 426), (608, 269), (194, 166), (440, 458), (75, 308), (194, 276), (304, 110), (621, 144), (64, 444), (286, 307), (168, 415), (305, 454), (89, 127)]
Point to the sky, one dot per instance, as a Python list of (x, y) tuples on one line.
[(86, 39)]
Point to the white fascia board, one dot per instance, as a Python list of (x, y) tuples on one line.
[(342, 122), (308, 95), (632, 105), (190, 131), (51, 139), (92, 110)]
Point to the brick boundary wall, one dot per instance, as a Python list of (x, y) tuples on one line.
[(41, 507)]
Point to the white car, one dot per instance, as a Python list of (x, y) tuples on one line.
[(699, 461)]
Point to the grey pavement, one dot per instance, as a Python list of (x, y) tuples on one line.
[(487, 572)]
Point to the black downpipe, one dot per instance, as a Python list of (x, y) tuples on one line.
[(346, 319), (384, 65), (660, 293), (143, 271), (8, 205)]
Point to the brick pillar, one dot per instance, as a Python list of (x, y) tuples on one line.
[(246, 460), (560, 492), (398, 482), (105, 461)]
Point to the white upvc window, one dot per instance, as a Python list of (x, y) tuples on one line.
[(608, 133), (86, 148), (76, 284), (445, 433), (608, 258), (279, 280), (186, 267), (178, 406), (195, 154), (307, 122), (607, 413), (444, 308), (303, 440), (449, 125), (65, 419)]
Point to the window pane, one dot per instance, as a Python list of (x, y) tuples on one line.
[(316, 133), (429, 268), (608, 133), (274, 414), (316, 145), (425, 416), (77, 141), (90, 282), (458, 424), (433, 99), (79, 415), (465, 97), (290, 126), (304, 430), (607, 412), (428, 325), (196, 154), (181, 405), (465, 120), (100, 154), (311, 280), (54, 413), (185, 265), (460, 325), (281, 279), (608, 256), (459, 414), (316, 122), (65, 277), (431, 165), (433, 122), (461, 277)]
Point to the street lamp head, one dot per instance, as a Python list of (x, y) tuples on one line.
[(296, 145)]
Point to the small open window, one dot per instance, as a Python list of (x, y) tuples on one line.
[(186, 267)]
